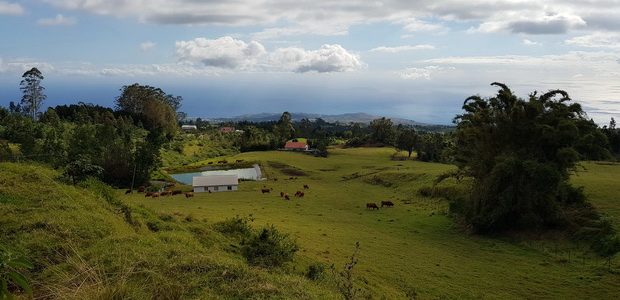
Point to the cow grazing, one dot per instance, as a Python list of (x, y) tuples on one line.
[(387, 203), (281, 194), (189, 195), (210, 163), (165, 193), (222, 162), (265, 191), (287, 197), (128, 192), (306, 187), (155, 195), (148, 194), (300, 194), (141, 189), (371, 206), (177, 192)]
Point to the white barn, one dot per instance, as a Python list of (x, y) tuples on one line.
[(215, 183), (189, 127)]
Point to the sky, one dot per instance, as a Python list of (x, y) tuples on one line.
[(411, 59)]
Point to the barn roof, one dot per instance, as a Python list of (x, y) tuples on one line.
[(295, 145), (215, 180)]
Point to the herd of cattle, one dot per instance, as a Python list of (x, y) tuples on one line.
[(168, 192), (264, 190), (299, 194)]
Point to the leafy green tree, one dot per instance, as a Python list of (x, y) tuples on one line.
[(82, 168), (407, 140), (153, 105), (33, 92), (382, 131), (519, 154), (284, 129)]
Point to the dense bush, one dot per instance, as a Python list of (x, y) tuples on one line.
[(315, 271), (268, 248), (520, 154)]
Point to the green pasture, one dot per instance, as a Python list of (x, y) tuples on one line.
[(414, 247)]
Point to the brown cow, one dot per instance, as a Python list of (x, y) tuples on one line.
[(265, 191), (165, 193), (141, 189), (189, 195), (306, 187), (210, 163), (287, 197), (371, 206), (281, 194), (128, 192), (148, 194), (177, 192), (387, 203), (301, 194), (155, 195)]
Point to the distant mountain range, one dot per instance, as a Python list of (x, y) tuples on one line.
[(342, 118)]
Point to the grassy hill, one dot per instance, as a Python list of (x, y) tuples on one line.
[(86, 243), (91, 241), (413, 248)]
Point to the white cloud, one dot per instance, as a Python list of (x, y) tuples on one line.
[(530, 43), (58, 20), (597, 40), (329, 17), (146, 46), (233, 54), (13, 9), (402, 48), (327, 59), (422, 73), (415, 25), (225, 52)]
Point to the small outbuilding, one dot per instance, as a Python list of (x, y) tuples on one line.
[(227, 129), (189, 127), (215, 183), (296, 146)]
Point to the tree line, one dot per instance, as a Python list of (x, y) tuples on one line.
[(120, 146)]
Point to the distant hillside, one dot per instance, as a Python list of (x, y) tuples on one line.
[(342, 118)]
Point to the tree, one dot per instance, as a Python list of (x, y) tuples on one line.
[(82, 168), (284, 129), (33, 92), (153, 105), (382, 131), (519, 154), (407, 140)]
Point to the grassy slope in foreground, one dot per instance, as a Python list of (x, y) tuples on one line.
[(85, 246), (411, 247)]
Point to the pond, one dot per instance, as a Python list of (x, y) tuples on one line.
[(245, 174)]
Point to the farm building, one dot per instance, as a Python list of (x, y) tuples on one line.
[(189, 127), (296, 146), (215, 183), (227, 129)]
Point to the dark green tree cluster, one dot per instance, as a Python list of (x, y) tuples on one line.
[(520, 153), (120, 147), (613, 136)]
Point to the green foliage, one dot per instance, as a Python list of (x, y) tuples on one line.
[(519, 153), (33, 92), (156, 109), (315, 271), (268, 247), (382, 131), (11, 276), (407, 140), (81, 169), (236, 226)]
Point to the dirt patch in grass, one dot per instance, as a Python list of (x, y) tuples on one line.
[(287, 169)]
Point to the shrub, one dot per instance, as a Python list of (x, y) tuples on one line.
[(235, 226), (268, 248), (315, 271)]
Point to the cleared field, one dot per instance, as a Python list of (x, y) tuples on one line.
[(412, 248)]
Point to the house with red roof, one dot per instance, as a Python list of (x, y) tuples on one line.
[(296, 146)]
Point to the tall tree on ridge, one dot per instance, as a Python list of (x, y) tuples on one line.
[(33, 92)]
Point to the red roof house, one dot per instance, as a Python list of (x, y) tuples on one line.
[(298, 146)]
